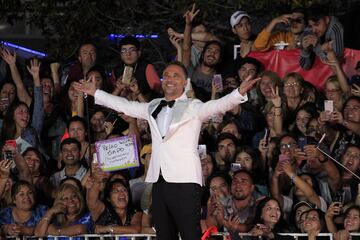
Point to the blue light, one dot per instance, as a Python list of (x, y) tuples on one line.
[(23, 49), (139, 35)]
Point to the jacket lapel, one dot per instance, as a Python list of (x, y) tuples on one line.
[(177, 120)]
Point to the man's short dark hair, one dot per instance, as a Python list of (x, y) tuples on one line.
[(129, 40), (244, 171), (85, 43), (68, 141), (77, 119), (179, 64), (316, 12), (248, 60), (223, 175), (224, 136)]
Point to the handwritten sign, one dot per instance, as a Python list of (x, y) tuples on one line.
[(117, 153)]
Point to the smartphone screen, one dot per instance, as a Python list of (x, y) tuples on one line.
[(127, 75), (235, 167), (8, 155), (302, 141), (217, 79), (329, 105)]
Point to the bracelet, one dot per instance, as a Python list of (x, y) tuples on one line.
[(46, 219)]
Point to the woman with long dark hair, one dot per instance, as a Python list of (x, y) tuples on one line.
[(268, 219), (115, 214)]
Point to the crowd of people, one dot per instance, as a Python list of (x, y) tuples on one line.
[(262, 170)]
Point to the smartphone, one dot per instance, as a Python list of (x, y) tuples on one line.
[(339, 198), (217, 79), (127, 75), (8, 155), (355, 80), (266, 136), (283, 157), (302, 141), (329, 105), (235, 167), (202, 151)]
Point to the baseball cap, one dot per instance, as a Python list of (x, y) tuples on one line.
[(236, 17), (357, 65)]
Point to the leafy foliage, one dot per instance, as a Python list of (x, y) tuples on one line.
[(67, 23)]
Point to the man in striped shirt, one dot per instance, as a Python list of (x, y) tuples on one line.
[(323, 30)]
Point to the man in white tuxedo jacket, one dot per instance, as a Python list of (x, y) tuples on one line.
[(175, 167)]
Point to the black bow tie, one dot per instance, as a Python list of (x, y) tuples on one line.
[(162, 104)]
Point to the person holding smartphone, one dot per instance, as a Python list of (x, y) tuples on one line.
[(143, 72)]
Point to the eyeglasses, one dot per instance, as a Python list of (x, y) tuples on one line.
[(128, 50), (287, 146), (293, 84), (355, 108)]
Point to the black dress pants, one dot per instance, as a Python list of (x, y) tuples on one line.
[(176, 209)]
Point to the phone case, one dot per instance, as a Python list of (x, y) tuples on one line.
[(218, 82), (127, 74)]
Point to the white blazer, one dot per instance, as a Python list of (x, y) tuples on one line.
[(176, 154)]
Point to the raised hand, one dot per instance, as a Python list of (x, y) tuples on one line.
[(275, 97), (283, 19), (109, 127), (134, 87), (88, 87), (34, 68), (247, 84), (309, 40), (191, 14), (173, 33), (175, 41), (9, 57), (334, 209), (355, 90), (5, 166), (55, 66), (337, 117), (58, 207)]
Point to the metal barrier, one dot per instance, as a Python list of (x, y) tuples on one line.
[(357, 235), (90, 236), (296, 235), (224, 235)]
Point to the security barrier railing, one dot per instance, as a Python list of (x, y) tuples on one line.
[(224, 236)]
